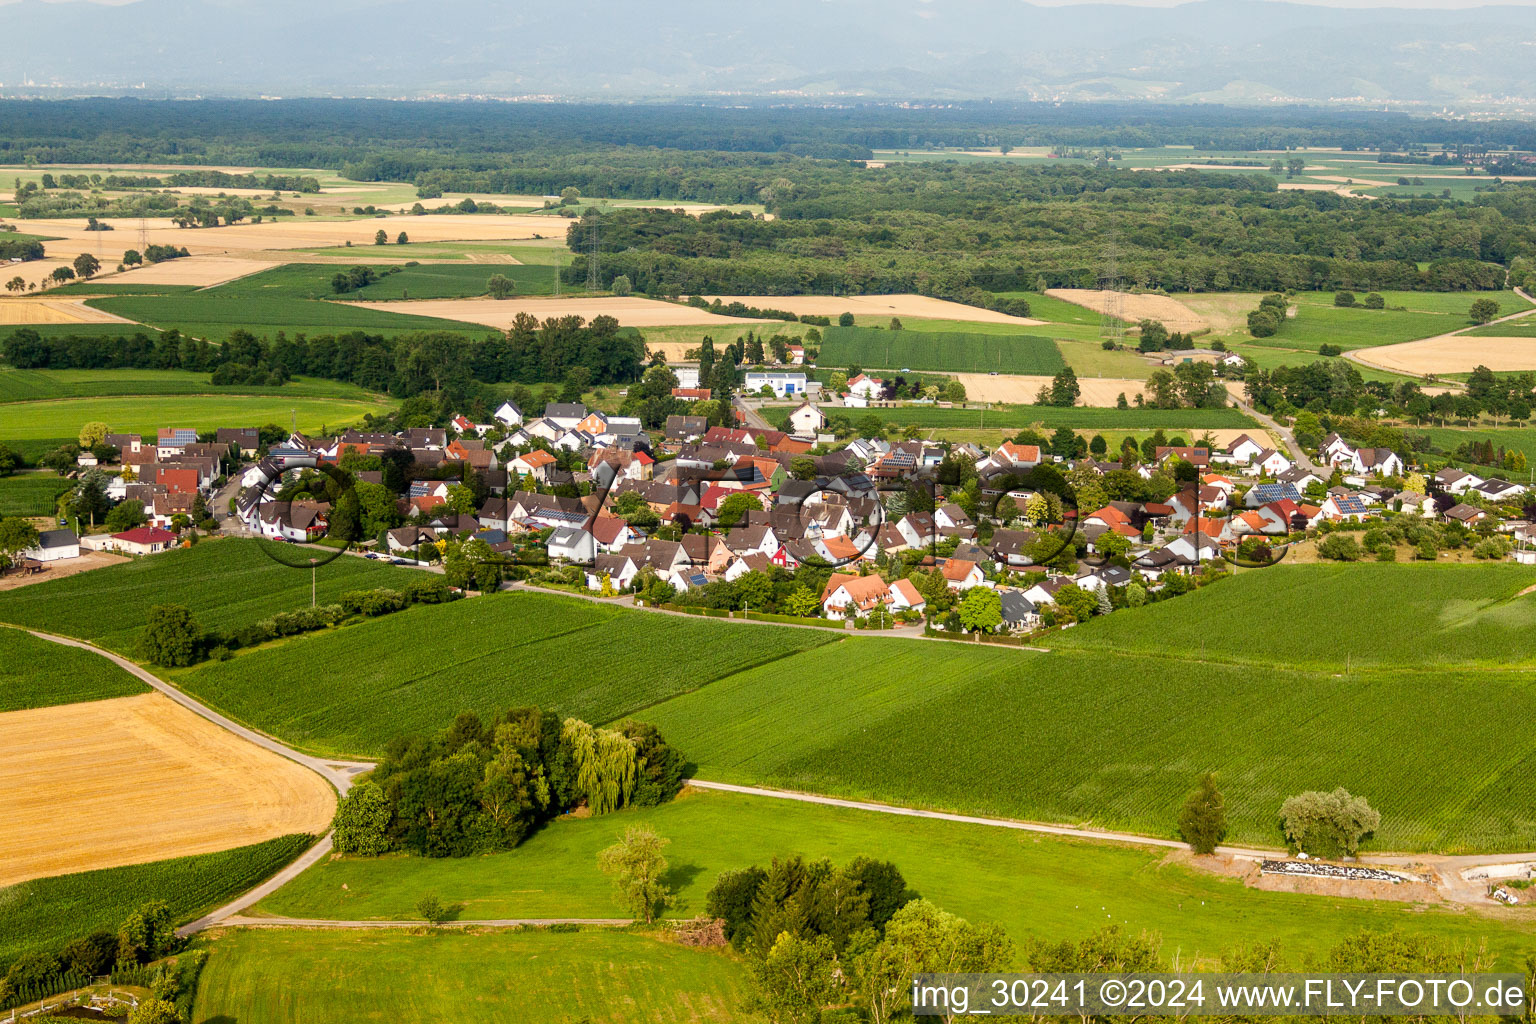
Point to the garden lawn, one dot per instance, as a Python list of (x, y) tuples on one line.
[(37, 673), (226, 583), (1116, 740), (607, 976), (45, 913), (922, 350), (32, 494), (349, 691), (1035, 886)]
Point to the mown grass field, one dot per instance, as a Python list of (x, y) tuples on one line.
[(923, 350), (226, 584), (43, 914), (1035, 886), (448, 281), (277, 977), (40, 385), (1424, 314), (37, 673), (63, 418), (1077, 417), (350, 691), (1523, 328), (31, 494)]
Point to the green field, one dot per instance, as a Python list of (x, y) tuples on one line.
[(1090, 359), (1525, 328), (1438, 615), (1077, 417), (1448, 439), (226, 583), (1117, 740), (45, 913), (37, 673), (1035, 886), (62, 418), (922, 350), (278, 977), (447, 281), (110, 288), (38, 385), (291, 298), (1424, 315), (528, 253), (32, 494), (350, 691)]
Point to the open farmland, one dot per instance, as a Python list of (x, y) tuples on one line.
[(45, 913), (32, 494), (36, 673), (1010, 389), (1443, 616), (351, 690), (212, 316), (62, 418), (27, 312), (163, 780), (1077, 417), (276, 977), (876, 306), (630, 312), (1172, 313), (226, 583), (920, 350), (1456, 353), (1035, 886), (1116, 741), (42, 385)]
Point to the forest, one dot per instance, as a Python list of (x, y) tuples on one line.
[(955, 230)]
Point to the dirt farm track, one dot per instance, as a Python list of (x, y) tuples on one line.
[(138, 779)]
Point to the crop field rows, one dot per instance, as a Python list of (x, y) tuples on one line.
[(45, 913), (957, 352), (36, 673), (226, 583), (485, 655), (31, 494)]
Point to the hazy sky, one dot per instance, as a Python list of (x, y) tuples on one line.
[(1454, 5)]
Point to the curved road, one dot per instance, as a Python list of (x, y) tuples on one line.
[(1360, 355), (338, 773), (341, 773)]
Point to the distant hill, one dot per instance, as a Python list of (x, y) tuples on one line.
[(1236, 51)]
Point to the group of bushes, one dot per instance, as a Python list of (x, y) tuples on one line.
[(1265, 321), (174, 639), (482, 786), (821, 940), (146, 935)]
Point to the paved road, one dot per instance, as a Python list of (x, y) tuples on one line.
[(1297, 453), (337, 772), (1362, 355), (754, 418)]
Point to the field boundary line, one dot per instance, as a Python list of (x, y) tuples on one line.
[(238, 921), (972, 819), (336, 771)]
